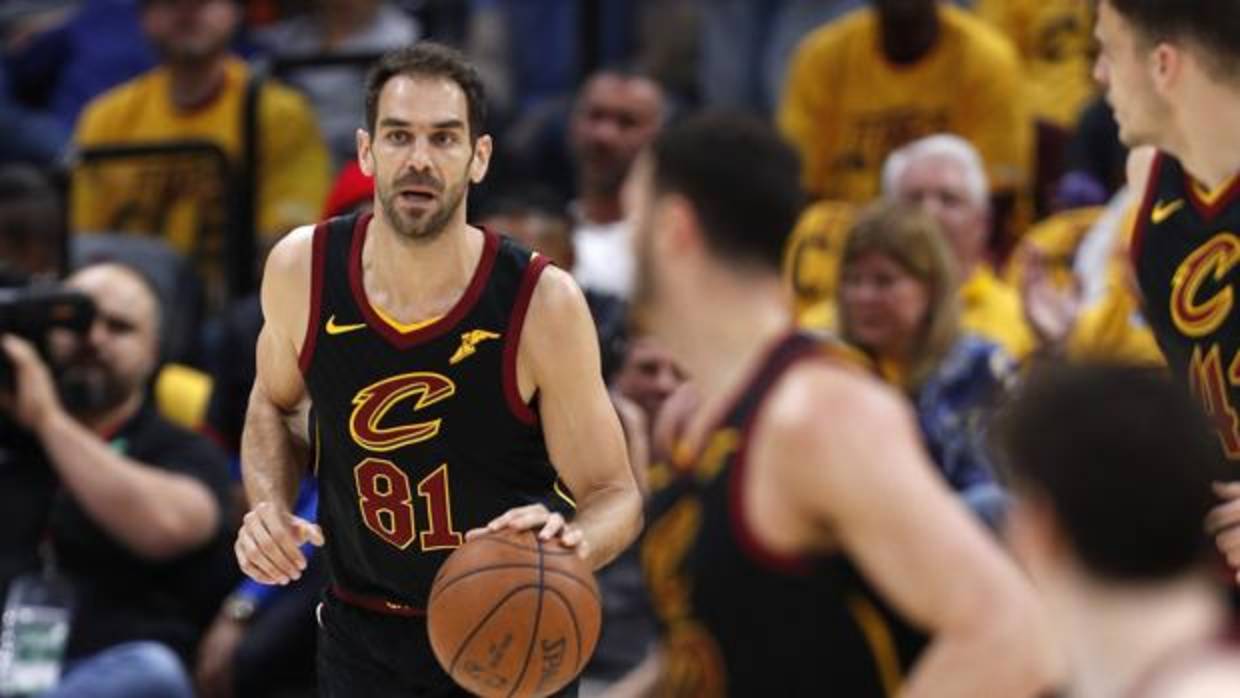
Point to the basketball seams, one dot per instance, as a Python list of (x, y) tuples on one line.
[(572, 615), (441, 586), (482, 623), (525, 664)]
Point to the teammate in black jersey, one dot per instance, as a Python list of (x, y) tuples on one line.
[(1172, 74), (803, 533), (450, 376)]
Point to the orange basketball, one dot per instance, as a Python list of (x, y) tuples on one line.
[(512, 615)]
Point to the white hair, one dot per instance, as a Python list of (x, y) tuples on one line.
[(943, 145)]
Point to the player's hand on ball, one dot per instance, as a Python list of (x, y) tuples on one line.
[(269, 544), (1223, 522), (549, 524)]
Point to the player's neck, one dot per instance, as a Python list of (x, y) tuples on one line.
[(1209, 139), (1114, 634), (191, 85), (725, 329), (406, 277)]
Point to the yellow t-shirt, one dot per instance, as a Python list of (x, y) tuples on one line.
[(846, 107), (180, 197), (1053, 38), (991, 309), (812, 256)]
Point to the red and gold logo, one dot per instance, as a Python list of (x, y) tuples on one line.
[(1194, 315), (372, 404)]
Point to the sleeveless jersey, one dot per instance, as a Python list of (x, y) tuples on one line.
[(420, 432), (740, 620), (1185, 251)]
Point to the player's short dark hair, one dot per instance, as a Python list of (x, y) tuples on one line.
[(1124, 457), (428, 59), (743, 181), (1211, 24)]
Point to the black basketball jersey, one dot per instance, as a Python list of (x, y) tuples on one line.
[(420, 432), (740, 620), (1185, 250)]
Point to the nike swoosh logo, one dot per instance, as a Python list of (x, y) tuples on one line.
[(1163, 211), (333, 329)]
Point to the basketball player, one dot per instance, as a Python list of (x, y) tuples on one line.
[(1172, 74), (1126, 580), (444, 369), (804, 533)]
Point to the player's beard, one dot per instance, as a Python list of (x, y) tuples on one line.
[(431, 223)]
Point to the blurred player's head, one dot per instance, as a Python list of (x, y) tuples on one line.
[(648, 375), (190, 31), (897, 296), (615, 115), (1112, 469), (944, 175), (715, 194), (115, 360), (423, 141), (1155, 54)]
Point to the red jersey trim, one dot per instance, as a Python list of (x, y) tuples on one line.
[(1143, 213), (318, 261), (376, 604), (746, 539), (512, 340), (1210, 206), (405, 340)]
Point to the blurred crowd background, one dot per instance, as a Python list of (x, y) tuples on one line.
[(966, 207)]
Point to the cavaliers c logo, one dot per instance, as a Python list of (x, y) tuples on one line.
[(372, 404)]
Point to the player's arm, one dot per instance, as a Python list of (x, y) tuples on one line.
[(559, 350), (268, 543), (862, 475)]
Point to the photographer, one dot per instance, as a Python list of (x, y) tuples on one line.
[(137, 527)]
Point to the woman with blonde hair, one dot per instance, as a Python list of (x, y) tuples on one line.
[(897, 303)]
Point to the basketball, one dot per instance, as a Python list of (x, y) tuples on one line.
[(512, 615)]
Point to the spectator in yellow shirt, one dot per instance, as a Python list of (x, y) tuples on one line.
[(812, 262), (944, 175), (878, 78), (197, 92), (1053, 38)]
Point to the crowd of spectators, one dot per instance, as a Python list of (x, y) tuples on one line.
[(966, 213)]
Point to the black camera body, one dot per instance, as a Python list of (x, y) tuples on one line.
[(32, 311)]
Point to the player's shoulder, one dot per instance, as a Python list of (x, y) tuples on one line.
[(293, 252), (814, 397), (556, 294)]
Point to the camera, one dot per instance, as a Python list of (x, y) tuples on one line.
[(32, 311)]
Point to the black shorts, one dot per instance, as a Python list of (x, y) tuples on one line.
[(364, 653)]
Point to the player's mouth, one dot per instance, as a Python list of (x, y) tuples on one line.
[(417, 196)]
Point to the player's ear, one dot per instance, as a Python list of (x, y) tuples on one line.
[(481, 159), (365, 156), (1166, 64), (678, 226)]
